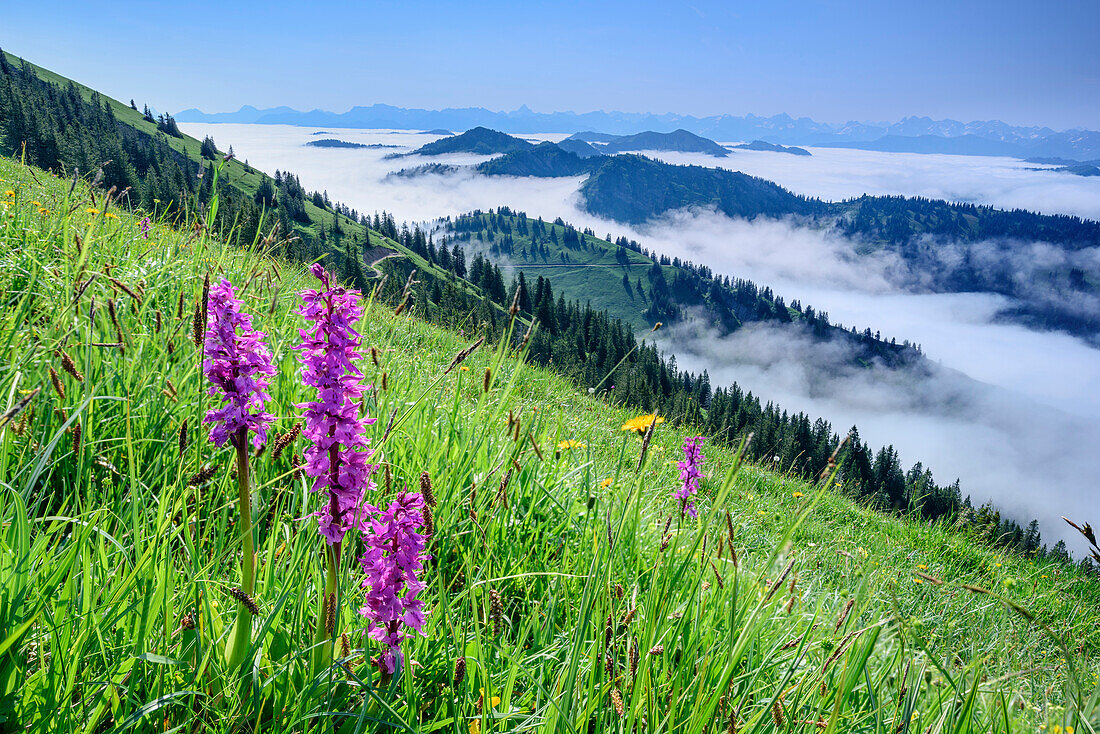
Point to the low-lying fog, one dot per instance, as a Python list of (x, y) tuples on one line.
[(1028, 441)]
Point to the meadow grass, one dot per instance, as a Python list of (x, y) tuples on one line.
[(563, 577)]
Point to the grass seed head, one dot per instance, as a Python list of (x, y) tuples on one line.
[(245, 599), (69, 366), (426, 489), (183, 437), (280, 444), (496, 611), (844, 615), (330, 613), (460, 672), (617, 701), (202, 475), (197, 326), (57, 386)]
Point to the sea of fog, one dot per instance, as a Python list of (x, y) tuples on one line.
[(1024, 437)]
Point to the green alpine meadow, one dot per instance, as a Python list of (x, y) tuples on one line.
[(269, 463), (565, 589)]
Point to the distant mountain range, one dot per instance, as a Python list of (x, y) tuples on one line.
[(911, 134)]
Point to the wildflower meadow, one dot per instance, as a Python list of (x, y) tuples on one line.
[(238, 495)]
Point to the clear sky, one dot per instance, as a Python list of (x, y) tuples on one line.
[(1021, 62)]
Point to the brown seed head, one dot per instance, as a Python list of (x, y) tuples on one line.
[(496, 611), (202, 475), (69, 366), (460, 672), (183, 437), (246, 600), (198, 328), (617, 701), (426, 489), (280, 444), (844, 615), (57, 386), (777, 713), (330, 613)]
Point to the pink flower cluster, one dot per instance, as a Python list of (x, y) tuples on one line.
[(394, 556), (690, 474), (339, 451), (238, 364)]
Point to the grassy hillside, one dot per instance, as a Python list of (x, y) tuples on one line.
[(563, 574)]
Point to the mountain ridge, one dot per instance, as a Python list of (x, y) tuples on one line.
[(1020, 141)]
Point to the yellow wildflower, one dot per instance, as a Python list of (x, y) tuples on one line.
[(493, 701), (605, 483), (464, 368), (9, 192), (642, 423), (37, 203), (475, 726), (570, 444), (111, 215), (796, 495), (43, 211), (922, 567), (91, 210), (918, 581)]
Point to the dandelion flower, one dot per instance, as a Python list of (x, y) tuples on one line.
[(641, 423), (570, 444), (796, 495), (605, 483), (494, 701), (9, 192)]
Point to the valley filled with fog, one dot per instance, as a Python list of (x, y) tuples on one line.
[(1025, 438)]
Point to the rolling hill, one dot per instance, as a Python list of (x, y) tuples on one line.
[(478, 140), (680, 141)]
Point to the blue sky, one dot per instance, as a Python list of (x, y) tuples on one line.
[(1022, 62)]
